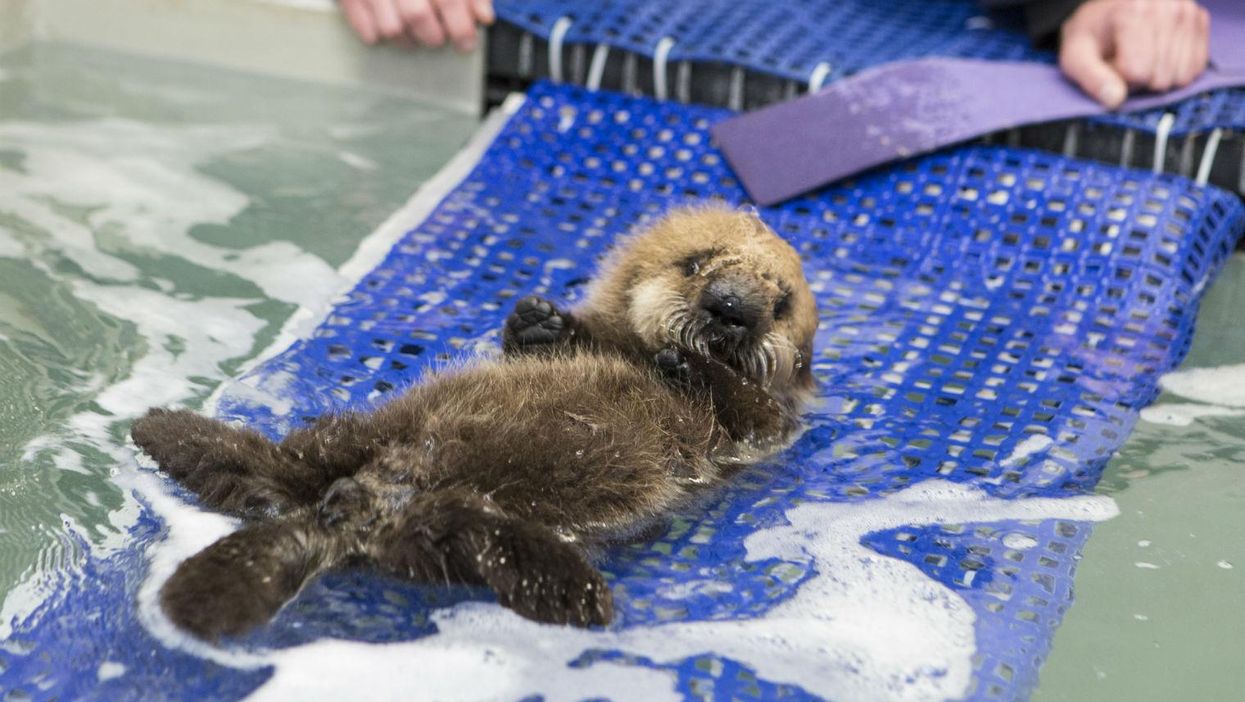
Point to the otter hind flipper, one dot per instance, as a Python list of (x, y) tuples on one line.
[(242, 580), (232, 469), (453, 536)]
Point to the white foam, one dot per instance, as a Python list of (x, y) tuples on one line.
[(356, 161), (377, 245), (9, 246), (109, 670), (1019, 542), (1220, 385), (1182, 414), (140, 186), (1034, 444), (863, 627)]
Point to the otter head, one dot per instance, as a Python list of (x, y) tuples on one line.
[(722, 284)]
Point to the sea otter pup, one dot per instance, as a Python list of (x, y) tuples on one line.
[(688, 357)]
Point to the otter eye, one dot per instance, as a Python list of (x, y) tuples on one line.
[(691, 266), (783, 306)]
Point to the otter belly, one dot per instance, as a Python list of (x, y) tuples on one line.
[(585, 443)]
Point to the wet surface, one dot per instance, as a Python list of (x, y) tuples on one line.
[(135, 197), (1160, 593)]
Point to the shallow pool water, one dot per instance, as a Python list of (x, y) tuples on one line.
[(159, 223), (1160, 592)]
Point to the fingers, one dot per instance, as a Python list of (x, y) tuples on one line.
[(1199, 46), (1081, 60), (483, 10), (1183, 70), (1110, 46), (1133, 34), (359, 16), (422, 22), (459, 22), (1160, 45), (428, 22), (388, 23)]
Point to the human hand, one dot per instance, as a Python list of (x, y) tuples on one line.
[(1111, 46), (429, 22)]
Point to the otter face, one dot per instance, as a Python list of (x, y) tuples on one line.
[(722, 284)]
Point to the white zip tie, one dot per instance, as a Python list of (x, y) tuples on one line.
[(525, 55), (735, 97), (683, 84), (1071, 139), (818, 77), (596, 69), (1161, 131), (556, 35), (660, 54), (1208, 157), (1126, 148)]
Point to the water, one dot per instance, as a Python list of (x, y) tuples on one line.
[(159, 223), (1174, 631)]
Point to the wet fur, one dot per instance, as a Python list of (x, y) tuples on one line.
[(596, 424)]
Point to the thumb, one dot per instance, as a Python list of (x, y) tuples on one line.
[(1081, 60)]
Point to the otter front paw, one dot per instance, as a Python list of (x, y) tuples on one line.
[(673, 364), (534, 321)]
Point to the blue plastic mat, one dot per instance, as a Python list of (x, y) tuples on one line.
[(789, 38), (991, 318), (793, 38)]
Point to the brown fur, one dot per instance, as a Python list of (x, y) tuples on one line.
[(688, 357)]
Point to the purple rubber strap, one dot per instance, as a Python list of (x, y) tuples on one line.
[(903, 109)]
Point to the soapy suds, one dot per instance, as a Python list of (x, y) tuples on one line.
[(1220, 385), (356, 161), (1183, 414), (109, 670), (80, 179), (865, 627), (1030, 446)]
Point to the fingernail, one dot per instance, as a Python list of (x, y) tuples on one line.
[(1112, 94), (466, 45)]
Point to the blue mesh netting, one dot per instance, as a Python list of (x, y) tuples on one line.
[(970, 300), (791, 37), (781, 38), (1223, 109)]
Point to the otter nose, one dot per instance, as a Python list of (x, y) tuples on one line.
[(729, 309)]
